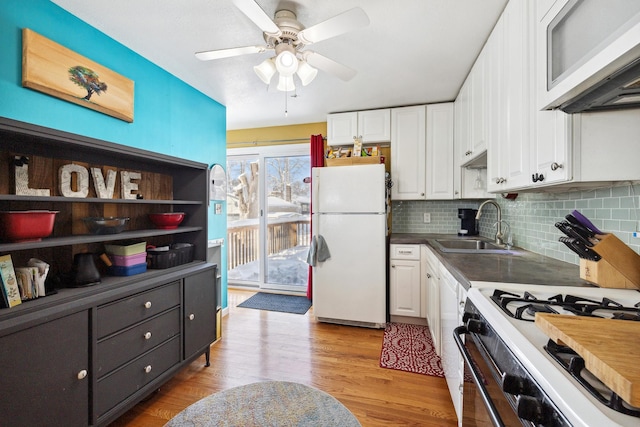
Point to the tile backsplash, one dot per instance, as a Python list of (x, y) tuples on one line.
[(532, 216)]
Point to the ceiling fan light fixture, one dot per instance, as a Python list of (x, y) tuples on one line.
[(285, 83), (306, 73), (265, 70), (286, 63)]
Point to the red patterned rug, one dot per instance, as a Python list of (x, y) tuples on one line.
[(410, 348)]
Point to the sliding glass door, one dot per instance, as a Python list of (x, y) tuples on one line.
[(269, 218)]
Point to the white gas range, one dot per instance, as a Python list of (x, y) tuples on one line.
[(519, 382)]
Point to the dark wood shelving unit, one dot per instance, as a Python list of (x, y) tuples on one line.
[(175, 307)]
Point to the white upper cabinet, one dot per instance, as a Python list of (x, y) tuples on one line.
[(550, 148), (508, 160), (517, 99), (408, 145), (372, 125), (440, 151), (478, 103), (462, 109), (529, 149), (422, 152), (342, 128), (375, 125), (471, 110), (551, 130)]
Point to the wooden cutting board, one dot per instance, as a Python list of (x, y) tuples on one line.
[(610, 348)]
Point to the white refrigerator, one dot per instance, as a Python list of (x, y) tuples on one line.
[(349, 211)]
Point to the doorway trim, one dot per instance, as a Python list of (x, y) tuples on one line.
[(262, 153)]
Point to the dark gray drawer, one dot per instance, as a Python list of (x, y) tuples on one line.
[(130, 343), (120, 314), (120, 384)]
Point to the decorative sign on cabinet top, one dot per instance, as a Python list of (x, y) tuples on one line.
[(57, 71)]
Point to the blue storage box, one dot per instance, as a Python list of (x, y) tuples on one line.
[(117, 270)]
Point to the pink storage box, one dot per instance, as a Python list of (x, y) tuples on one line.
[(129, 260)]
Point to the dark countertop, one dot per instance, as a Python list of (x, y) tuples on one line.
[(521, 266)]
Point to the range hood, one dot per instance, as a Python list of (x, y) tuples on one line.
[(619, 90)]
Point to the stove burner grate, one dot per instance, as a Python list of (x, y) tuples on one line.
[(579, 306), (575, 365)]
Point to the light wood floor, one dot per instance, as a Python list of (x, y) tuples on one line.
[(341, 360)]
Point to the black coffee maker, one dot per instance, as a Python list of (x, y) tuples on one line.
[(467, 222)]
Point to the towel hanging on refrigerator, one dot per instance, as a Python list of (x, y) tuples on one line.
[(318, 251)]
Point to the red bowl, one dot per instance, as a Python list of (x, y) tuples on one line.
[(26, 226), (168, 220)]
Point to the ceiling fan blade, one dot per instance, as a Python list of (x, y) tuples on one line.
[(258, 16), (339, 24), (329, 66), (227, 53)]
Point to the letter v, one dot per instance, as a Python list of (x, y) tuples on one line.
[(104, 190)]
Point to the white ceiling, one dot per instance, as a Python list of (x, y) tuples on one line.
[(412, 52)]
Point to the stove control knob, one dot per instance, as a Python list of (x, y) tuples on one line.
[(515, 385), (476, 326), (531, 409)]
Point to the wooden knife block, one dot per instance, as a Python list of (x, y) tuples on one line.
[(618, 268)]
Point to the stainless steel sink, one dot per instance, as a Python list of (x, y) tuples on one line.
[(471, 246)]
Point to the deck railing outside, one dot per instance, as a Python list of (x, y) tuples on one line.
[(283, 233)]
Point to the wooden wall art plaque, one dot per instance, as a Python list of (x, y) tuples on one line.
[(57, 71)]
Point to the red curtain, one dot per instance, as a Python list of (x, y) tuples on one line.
[(317, 160)]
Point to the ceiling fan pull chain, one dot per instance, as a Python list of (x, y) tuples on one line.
[(286, 110)]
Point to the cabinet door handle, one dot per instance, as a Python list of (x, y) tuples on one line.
[(428, 276), (147, 304), (192, 316), (147, 369), (468, 153), (82, 374), (555, 166), (147, 336)]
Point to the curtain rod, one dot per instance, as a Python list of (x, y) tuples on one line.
[(271, 141)]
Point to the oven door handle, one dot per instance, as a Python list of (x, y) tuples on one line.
[(477, 378)]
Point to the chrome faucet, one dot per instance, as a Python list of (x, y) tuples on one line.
[(499, 236), (509, 237)]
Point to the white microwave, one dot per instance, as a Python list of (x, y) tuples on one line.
[(591, 57)]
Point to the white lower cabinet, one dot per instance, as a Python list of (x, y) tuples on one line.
[(405, 282), (450, 318), (431, 275), (421, 286)]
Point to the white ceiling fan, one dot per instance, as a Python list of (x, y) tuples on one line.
[(288, 38)]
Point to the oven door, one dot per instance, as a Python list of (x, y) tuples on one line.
[(483, 404)]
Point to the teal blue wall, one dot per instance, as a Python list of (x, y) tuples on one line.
[(170, 116)]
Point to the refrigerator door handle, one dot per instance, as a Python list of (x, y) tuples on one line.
[(315, 191)]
